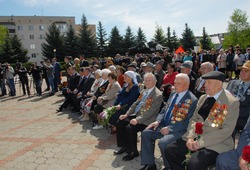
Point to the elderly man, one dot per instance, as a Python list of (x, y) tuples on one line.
[(166, 128), (199, 86), (159, 73), (241, 90), (186, 68), (210, 129), (144, 110)]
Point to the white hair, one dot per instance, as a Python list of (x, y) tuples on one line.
[(150, 75), (184, 77), (190, 63), (99, 72), (112, 68), (208, 65), (105, 71)]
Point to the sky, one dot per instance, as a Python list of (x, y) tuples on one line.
[(214, 15)]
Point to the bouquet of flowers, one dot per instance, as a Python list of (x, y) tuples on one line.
[(106, 114), (198, 131), (246, 155)]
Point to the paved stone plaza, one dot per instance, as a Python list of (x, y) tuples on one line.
[(33, 136)]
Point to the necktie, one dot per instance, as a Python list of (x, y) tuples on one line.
[(141, 102), (206, 107), (168, 114), (240, 93)]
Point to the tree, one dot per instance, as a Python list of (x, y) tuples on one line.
[(71, 42), (3, 33), (101, 39), (19, 53), (129, 39), (140, 36), (169, 40), (175, 41), (159, 36), (87, 42), (54, 40), (7, 51), (188, 39), (205, 41), (238, 29), (115, 42)]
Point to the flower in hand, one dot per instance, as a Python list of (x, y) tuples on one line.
[(246, 155)]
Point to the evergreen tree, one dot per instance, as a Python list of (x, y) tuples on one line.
[(54, 40), (188, 39), (7, 51), (169, 40), (239, 30), (87, 42), (129, 39), (206, 41), (159, 36), (140, 36), (71, 42), (175, 41), (101, 40), (115, 42), (19, 53)]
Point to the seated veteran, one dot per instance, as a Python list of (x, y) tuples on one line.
[(210, 129), (170, 124), (142, 113)]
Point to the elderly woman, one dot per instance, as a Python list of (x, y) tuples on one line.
[(126, 97), (107, 99)]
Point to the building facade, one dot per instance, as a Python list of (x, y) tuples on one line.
[(32, 30)]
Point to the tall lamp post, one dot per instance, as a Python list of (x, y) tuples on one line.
[(54, 53)]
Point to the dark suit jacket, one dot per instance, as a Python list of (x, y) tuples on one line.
[(233, 87), (149, 115), (159, 76), (84, 63), (179, 127), (73, 81), (57, 69), (87, 84)]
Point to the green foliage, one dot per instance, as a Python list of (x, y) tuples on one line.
[(172, 41), (175, 41), (3, 33), (129, 39), (239, 30), (188, 39), (101, 40), (205, 41), (19, 53), (140, 36), (159, 36), (71, 42), (54, 40), (87, 42), (115, 42)]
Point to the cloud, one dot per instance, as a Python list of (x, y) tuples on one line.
[(33, 3)]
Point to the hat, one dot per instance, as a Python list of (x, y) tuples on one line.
[(96, 66), (246, 65), (161, 62), (132, 75), (217, 75), (186, 65), (132, 65), (143, 64), (149, 64)]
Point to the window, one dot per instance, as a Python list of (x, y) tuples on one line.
[(33, 55), (41, 36), (20, 28), (31, 27), (32, 37), (41, 27), (32, 46)]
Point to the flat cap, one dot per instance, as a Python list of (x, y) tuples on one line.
[(132, 65), (216, 75), (161, 62), (186, 65), (149, 64)]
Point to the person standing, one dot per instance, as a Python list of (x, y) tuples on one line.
[(57, 73), (35, 71), (23, 76), (10, 79), (50, 75)]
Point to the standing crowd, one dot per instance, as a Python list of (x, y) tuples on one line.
[(175, 100)]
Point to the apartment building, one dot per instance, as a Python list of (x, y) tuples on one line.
[(32, 29)]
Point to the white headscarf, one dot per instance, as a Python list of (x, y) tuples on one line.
[(132, 75)]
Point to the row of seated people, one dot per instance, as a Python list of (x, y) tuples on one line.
[(174, 126)]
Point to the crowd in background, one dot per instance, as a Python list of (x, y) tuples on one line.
[(124, 82)]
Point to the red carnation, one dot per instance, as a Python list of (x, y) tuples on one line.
[(198, 128), (246, 153)]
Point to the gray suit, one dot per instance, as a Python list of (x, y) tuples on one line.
[(175, 131), (233, 87)]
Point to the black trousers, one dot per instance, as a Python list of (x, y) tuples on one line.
[(200, 160), (126, 134)]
